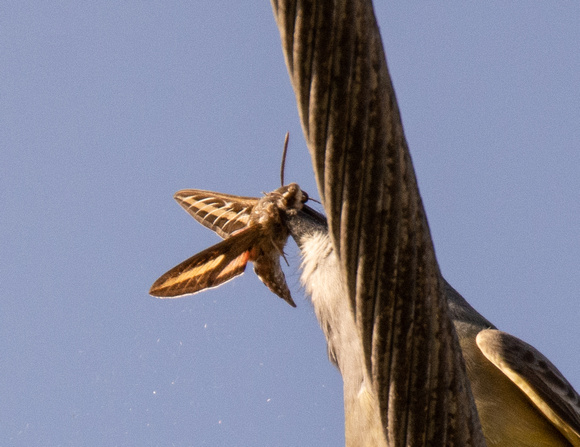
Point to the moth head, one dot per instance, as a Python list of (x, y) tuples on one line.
[(292, 197)]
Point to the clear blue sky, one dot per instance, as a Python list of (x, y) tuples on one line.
[(107, 109)]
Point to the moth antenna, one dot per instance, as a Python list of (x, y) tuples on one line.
[(284, 152)]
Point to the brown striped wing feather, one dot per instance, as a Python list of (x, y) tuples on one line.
[(223, 213)]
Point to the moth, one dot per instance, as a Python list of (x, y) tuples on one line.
[(253, 230)]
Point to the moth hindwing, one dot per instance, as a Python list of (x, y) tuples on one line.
[(253, 229)]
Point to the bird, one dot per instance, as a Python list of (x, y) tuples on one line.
[(521, 397)]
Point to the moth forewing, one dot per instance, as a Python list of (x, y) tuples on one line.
[(210, 268), (222, 213), (255, 231)]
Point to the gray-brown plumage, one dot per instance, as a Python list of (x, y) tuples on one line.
[(412, 369), (398, 333), (521, 397)]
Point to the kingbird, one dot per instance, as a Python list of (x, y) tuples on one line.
[(521, 397)]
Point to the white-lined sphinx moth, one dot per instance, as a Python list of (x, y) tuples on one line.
[(253, 229)]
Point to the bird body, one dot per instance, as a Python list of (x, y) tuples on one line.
[(498, 364)]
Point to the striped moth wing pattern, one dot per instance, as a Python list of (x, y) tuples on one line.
[(253, 230)]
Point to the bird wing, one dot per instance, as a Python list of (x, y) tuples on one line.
[(537, 377)]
